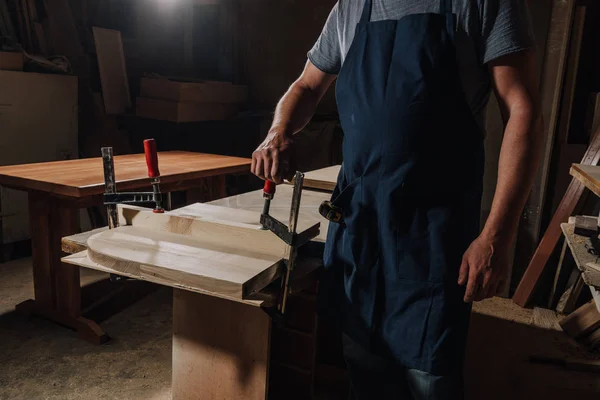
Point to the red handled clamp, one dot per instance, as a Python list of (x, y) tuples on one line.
[(268, 193), (112, 198)]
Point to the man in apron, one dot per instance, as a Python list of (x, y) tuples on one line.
[(408, 258)]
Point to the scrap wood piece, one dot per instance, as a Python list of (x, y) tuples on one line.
[(566, 303), (545, 319), (566, 208), (582, 322), (113, 72), (551, 85)]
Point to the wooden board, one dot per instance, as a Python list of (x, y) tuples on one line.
[(81, 259), (280, 207), (165, 110), (113, 73), (221, 266), (219, 355), (85, 177), (551, 88), (322, 179), (589, 175), (193, 92), (225, 257), (550, 239)]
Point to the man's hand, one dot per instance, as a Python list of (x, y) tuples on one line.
[(484, 269), (486, 263), (270, 161)]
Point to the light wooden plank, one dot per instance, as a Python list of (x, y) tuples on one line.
[(280, 208), (85, 177), (589, 175), (186, 260), (208, 228), (322, 179), (81, 259), (113, 73)]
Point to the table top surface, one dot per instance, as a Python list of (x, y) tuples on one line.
[(280, 207), (85, 177), (589, 175)]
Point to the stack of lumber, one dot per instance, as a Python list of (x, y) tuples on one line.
[(188, 100)]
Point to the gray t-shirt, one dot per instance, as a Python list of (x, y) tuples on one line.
[(487, 29)]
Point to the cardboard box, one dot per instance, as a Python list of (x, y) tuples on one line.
[(193, 92), (10, 61), (183, 112)]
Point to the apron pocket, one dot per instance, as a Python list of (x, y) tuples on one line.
[(354, 243)]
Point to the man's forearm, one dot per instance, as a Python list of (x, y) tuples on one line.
[(295, 109), (517, 168)]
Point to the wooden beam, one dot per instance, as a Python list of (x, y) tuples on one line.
[(113, 73), (186, 260)]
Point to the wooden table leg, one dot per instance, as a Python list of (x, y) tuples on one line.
[(56, 285), (209, 189), (220, 348)]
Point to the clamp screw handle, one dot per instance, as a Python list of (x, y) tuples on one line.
[(151, 158), (269, 189)]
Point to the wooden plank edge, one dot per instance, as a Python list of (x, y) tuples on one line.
[(81, 259)]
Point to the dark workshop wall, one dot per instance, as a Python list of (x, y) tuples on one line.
[(273, 39), (261, 43)]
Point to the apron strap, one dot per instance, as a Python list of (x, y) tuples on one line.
[(366, 14), (446, 7)]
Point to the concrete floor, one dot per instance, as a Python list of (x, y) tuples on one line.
[(40, 360)]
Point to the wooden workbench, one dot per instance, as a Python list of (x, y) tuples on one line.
[(57, 190), (223, 346)]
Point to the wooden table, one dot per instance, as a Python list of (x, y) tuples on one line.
[(57, 190), (224, 347)]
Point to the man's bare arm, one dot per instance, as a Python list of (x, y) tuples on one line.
[(485, 264), (293, 112)]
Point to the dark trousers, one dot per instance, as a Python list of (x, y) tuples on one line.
[(373, 378)]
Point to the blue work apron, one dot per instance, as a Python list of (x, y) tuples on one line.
[(410, 190)]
